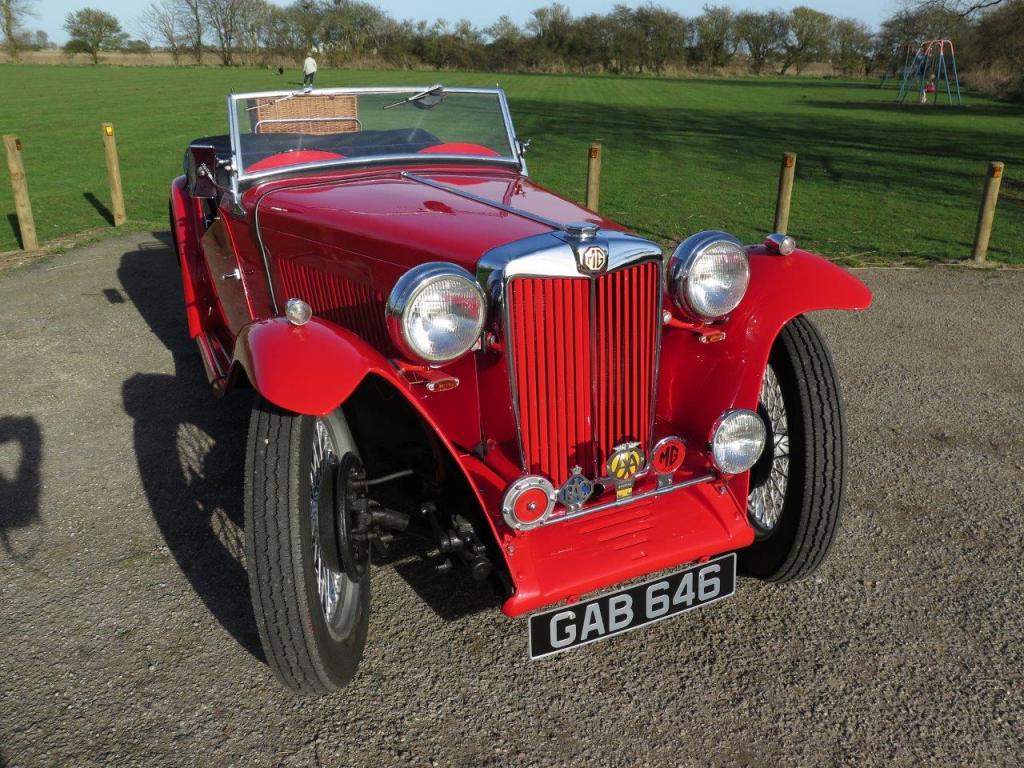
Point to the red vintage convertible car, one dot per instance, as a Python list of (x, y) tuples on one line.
[(442, 349)]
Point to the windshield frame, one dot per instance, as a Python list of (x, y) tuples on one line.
[(514, 159)]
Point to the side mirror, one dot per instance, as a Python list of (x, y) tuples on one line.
[(202, 171)]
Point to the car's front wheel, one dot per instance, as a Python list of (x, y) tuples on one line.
[(312, 617), (797, 486)]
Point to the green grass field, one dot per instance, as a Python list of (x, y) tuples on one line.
[(874, 182)]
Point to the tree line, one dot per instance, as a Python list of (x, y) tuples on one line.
[(644, 39)]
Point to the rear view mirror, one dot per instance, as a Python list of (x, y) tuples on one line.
[(202, 171)]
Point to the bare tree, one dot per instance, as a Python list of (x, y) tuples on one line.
[(163, 22), (254, 23), (963, 8), (194, 24), (224, 17), (13, 14)]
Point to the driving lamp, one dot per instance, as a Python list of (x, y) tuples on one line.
[(436, 312), (709, 274), (737, 440)]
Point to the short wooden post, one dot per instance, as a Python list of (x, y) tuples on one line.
[(594, 176), (987, 213), (22, 204), (113, 173), (785, 192)]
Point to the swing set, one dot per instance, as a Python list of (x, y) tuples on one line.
[(926, 69)]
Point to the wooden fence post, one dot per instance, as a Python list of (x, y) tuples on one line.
[(594, 176), (22, 204), (785, 192), (113, 173), (987, 213)]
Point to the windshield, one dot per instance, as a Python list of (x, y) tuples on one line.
[(273, 132)]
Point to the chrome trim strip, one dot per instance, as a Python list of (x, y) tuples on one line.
[(356, 162), (264, 253), (513, 140), (233, 166), (629, 499), (410, 89), (482, 200)]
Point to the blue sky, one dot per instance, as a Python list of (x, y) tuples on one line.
[(51, 13)]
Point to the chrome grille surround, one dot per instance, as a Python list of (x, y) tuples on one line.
[(554, 255)]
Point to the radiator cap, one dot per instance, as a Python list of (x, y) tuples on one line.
[(581, 231)]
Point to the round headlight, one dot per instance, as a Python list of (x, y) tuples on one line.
[(710, 274), (737, 441), (436, 312)]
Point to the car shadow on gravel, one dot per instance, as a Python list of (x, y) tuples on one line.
[(190, 451)]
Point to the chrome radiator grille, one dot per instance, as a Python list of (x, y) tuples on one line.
[(583, 354)]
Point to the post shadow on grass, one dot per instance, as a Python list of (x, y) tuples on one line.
[(825, 144), (100, 207), (19, 487), (12, 219)]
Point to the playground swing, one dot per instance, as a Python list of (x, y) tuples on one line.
[(929, 70)]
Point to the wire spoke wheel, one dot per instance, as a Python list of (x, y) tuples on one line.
[(769, 478), (330, 585)]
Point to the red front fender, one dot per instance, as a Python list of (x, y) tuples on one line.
[(309, 369), (314, 368), (700, 381)]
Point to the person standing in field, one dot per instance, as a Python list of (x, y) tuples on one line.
[(308, 72)]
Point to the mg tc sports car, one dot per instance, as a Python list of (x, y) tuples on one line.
[(441, 349)]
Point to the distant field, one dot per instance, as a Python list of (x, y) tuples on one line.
[(874, 182)]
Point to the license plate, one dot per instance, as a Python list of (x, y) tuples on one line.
[(563, 629)]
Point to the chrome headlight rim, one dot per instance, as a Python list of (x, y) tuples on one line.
[(681, 266), (404, 294), (713, 446)]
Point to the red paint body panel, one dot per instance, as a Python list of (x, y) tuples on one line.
[(307, 369), (340, 240), (186, 214), (597, 551)]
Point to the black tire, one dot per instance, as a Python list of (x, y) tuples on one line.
[(800, 540), (306, 654)]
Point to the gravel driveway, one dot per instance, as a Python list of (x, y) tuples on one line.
[(126, 636)]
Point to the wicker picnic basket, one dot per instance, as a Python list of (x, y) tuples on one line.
[(307, 113)]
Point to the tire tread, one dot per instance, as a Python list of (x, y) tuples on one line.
[(271, 548), (825, 440)]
